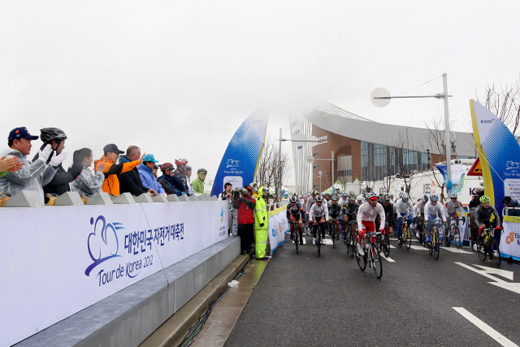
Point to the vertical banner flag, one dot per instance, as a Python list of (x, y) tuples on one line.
[(458, 176), (240, 161), (499, 155)]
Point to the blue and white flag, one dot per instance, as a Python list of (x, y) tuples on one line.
[(458, 176), (240, 161)]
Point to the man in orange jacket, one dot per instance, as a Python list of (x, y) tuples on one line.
[(111, 183)]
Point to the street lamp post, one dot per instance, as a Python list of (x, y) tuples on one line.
[(319, 176), (279, 188), (444, 96), (332, 174)]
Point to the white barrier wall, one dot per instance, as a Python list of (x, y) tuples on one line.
[(60, 260)]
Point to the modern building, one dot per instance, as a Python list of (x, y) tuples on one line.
[(363, 149)]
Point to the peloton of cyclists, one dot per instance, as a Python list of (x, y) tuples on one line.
[(366, 217), (349, 212), (318, 215), (295, 216)]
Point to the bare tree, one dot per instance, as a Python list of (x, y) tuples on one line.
[(272, 168), (505, 103), (403, 149)]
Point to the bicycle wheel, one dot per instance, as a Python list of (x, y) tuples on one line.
[(481, 250), (375, 260), (333, 235), (447, 237), (457, 238), (361, 261), (408, 238), (437, 245), (495, 253), (296, 239), (386, 245), (318, 242), (430, 244), (348, 241)]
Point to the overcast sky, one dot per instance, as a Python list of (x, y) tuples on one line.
[(177, 78)]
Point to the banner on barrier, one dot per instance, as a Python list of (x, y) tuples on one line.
[(278, 226), (76, 256), (510, 239)]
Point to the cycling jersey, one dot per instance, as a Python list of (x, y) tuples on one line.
[(350, 211), (389, 210), (419, 208), (335, 211), (368, 213), (402, 207), (295, 211), (483, 215), (453, 207), (434, 210), (318, 212), (308, 204)]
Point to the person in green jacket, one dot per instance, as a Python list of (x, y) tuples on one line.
[(198, 183), (261, 223)]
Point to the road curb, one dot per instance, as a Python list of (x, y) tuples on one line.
[(173, 331)]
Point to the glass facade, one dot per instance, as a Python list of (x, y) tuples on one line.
[(378, 161)]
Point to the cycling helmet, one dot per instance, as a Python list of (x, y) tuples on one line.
[(371, 196), (506, 200), (360, 198), (199, 171), (484, 199), (319, 198), (401, 194), (49, 134), (334, 198), (479, 190), (453, 196), (188, 168), (314, 192), (386, 198), (293, 199), (181, 161), (166, 166), (404, 197), (434, 197)]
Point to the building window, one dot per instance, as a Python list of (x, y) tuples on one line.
[(315, 154), (316, 167)]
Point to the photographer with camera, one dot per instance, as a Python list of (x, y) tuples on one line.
[(244, 203)]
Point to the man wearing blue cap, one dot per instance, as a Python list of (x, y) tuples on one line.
[(147, 177), (131, 181), (32, 175)]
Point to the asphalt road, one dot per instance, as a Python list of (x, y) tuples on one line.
[(306, 300)]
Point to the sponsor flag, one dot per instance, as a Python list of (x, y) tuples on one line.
[(499, 155), (240, 161), (458, 175)]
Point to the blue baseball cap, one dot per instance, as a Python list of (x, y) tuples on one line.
[(150, 157), (21, 133)]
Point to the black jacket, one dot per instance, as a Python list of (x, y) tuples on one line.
[(130, 182)]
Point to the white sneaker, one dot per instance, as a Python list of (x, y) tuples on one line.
[(313, 240), (475, 247), (323, 242), (360, 250)]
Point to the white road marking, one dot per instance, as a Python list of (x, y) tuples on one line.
[(495, 335), (388, 259), (488, 272), (455, 250), (420, 248)]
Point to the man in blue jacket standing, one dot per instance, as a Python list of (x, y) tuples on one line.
[(147, 177)]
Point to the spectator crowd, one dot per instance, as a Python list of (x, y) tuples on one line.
[(115, 172)]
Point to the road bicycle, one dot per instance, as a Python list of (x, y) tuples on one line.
[(318, 235), (371, 256), (434, 245), (406, 236), (351, 238), (333, 231), (383, 242), (487, 245), (297, 238), (452, 233)]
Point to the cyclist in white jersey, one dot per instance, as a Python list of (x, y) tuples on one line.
[(404, 208), (318, 215), (366, 217), (431, 213)]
